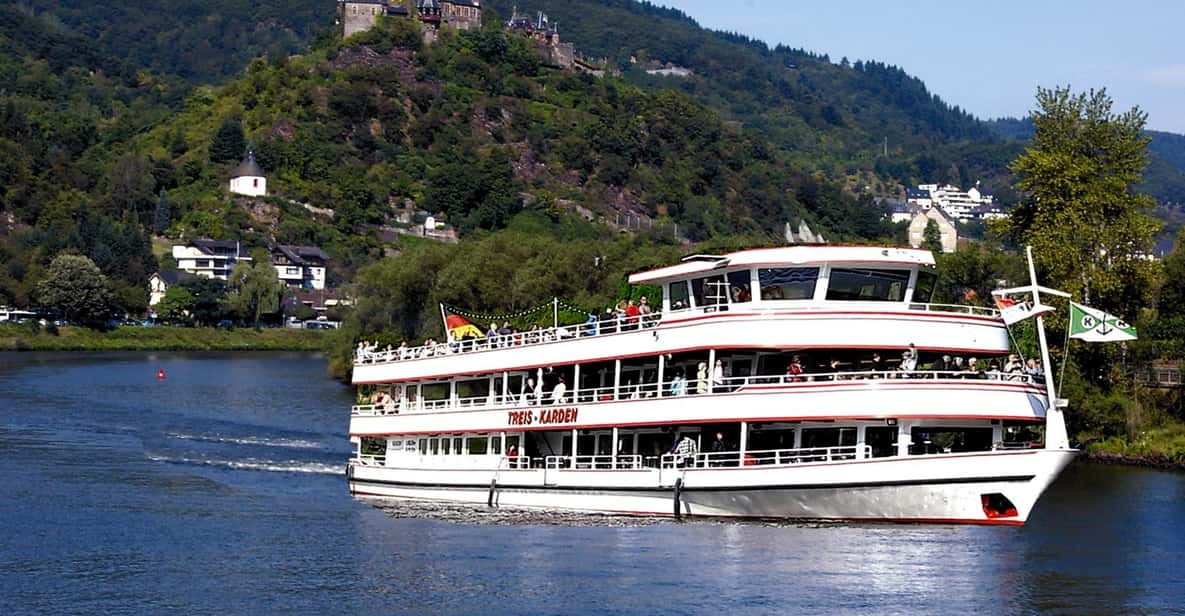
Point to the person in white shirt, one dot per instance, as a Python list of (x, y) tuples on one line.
[(718, 377), (559, 391)]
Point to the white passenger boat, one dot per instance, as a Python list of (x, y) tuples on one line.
[(798, 383)]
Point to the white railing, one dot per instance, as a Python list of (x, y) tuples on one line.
[(685, 387), (369, 355), (765, 456), (620, 324), (956, 308), (604, 462), (515, 462), (369, 460)]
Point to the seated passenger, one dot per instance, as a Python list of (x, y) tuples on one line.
[(909, 362)]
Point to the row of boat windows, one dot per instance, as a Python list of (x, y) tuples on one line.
[(798, 283), (882, 440)]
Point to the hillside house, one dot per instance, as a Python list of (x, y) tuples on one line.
[(947, 232), (973, 204), (300, 267), (209, 258)]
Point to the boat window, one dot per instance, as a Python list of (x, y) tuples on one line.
[(409, 446), (434, 446), (445, 446), (924, 289), (882, 440), (828, 437), (787, 282), (867, 285), (709, 291), (457, 445), (739, 287), (950, 440), (496, 444), (512, 441), (423, 446), (477, 445), (679, 295)]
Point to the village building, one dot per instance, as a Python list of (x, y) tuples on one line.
[(947, 232), (361, 15), (160, 282), (973, 204), (546, 33), (248, 178), (209, 258), (300, 267)]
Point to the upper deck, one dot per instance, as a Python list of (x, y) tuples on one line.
[(801, 297)]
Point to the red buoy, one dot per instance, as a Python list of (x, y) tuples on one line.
[(160, 374)]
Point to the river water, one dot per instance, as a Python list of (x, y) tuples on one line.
[(220, 491)]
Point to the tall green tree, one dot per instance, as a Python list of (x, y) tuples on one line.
[(1171, 302), (75, 289), (175, 305), (1081, 212), (229, 143), (163, 213), (209, 299), (254, 288), (932, 237)]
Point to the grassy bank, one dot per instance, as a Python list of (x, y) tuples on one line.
[(26, 337), (1162, 447)]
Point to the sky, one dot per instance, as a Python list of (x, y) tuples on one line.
[(988, 57)]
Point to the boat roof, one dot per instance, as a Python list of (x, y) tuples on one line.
[(787, 256)]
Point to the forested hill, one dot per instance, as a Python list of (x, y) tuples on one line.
[(473, 127), (201, 41), (827, 112)]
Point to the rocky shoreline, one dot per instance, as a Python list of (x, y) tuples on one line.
[(1156, 462)]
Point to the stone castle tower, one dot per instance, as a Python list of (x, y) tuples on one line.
[(361, 15)]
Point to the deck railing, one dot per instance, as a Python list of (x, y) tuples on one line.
[(369, 460), (765, 456), (370, 355), (683, 387), (603, 462)]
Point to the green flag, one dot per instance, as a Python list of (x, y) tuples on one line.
[(1097, 326)]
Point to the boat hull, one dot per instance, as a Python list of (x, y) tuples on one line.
[(919, 489)]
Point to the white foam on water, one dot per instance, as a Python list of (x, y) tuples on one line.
[(293, 443), (254, 464)]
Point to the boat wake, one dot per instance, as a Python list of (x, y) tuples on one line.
[(255, 464), (291, 443)]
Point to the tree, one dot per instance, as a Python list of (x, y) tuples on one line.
[(1171, 302), (229, 142), (254, 287), (161, 219), (175, 305), (75, 289), (932, 237), (1081, 212), (209, 297)]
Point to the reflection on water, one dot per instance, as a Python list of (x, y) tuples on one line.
[(220, 491)]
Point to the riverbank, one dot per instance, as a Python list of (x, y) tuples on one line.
[(25, 337), (1162, 448)]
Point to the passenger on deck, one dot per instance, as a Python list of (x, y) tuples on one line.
[(974, 370), (608, 321), (939, 365), (678, 384), (794, 370), (505, 333), (993, 371), (685, 451), (718, 377), (1013, 367), (644, 311), (877, 365), (559, 391), (530, 395), (402, 352), (492, 335), (909, 362), (1033, 371), (701, 378), (833, 370), (717, 449), (632, 314)]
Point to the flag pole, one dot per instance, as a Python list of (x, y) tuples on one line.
[(444, 323), (555, 312), (1055, 420)]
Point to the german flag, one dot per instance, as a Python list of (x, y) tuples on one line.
[(459, 327)]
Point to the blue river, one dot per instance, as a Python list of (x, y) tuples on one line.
[(220, 490)]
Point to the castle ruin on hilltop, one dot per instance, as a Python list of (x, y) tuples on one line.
[(361, 15)]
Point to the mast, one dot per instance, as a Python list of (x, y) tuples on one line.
[(1056, 436)]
